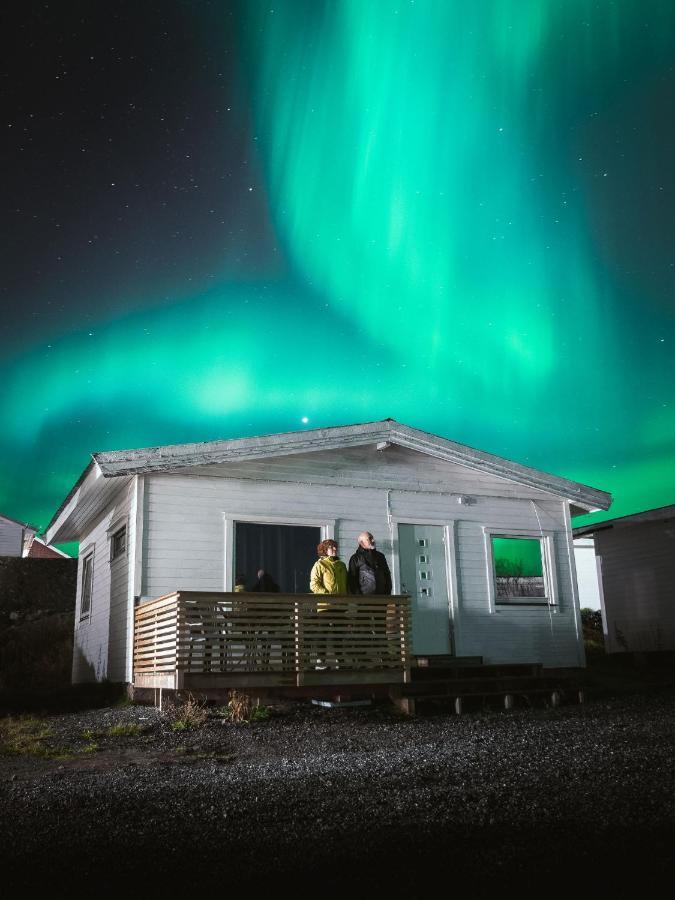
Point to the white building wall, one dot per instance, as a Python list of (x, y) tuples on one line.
[(11, 538), (587, 573), (184, 538), (101, 637)]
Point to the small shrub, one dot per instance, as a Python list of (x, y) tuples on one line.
[(242, 709), (240, 706), (190, 714), (259, 714)]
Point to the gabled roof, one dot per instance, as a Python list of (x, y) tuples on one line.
[(41, 550), (126, 463)]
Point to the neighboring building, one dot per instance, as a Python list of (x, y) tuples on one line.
[(482, 545), (20, 539), (636, 566), (38, 549), (15, 536)]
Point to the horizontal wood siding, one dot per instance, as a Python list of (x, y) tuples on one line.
[(638, 574), (184, 534), (11, 539), (366, 466), (101, 638)]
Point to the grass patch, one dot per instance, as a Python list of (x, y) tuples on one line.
[(28, 736), (125, 730)]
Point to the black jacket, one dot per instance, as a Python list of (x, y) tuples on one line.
[(266, 584), (369, 572)]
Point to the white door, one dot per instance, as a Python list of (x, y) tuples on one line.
[(422, 560)]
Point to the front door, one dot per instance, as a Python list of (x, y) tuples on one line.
[(422, 559)]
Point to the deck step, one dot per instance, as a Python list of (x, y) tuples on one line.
[(438, 660), (459, 671)]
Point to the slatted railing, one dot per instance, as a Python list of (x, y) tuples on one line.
[(271, 636)]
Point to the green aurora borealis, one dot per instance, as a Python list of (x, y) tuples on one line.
[(472, 210)]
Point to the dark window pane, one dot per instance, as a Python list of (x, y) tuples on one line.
[(118, 543), (87, 580), (286, 552)]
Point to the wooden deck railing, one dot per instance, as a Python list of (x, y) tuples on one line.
[(264, 639)]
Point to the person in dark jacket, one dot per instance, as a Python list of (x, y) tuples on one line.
[(265, 583), (368, 569)]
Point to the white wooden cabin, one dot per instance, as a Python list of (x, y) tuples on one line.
[(635, 562), (162, 520)]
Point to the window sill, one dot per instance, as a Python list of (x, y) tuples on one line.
[(507, 603)]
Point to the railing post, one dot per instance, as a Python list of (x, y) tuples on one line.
[(180, 675), (299, 643), (405, 638)]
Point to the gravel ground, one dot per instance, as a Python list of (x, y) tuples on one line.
[(333, 800)]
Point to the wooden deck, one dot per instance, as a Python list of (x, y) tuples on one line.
[(200, 641)]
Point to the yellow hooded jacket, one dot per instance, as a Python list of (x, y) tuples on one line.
[(329, 576)]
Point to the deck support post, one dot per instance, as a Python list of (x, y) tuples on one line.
[(405, 704), (458, 706), (582, 697), (555, 698), (508, 701)]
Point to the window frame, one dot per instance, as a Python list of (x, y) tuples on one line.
[(114, 533), (546, 542), (87, 556), (327, 525)]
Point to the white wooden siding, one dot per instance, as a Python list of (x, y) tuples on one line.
[(367, 467), (184, 533), (11, 538), (101, 639), (638, 578)]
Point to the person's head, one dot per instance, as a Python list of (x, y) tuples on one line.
[(366, 540), (327, 548), (261, 573)]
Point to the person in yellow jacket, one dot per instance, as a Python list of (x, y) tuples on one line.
[(329, 573), (329, 576)]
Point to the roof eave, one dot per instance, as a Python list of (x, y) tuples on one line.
[(60, 517)]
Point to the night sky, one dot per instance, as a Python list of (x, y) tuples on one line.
[(223, 219)]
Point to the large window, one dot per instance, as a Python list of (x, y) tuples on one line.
[(87, 584), (519, 569), (285, 552)]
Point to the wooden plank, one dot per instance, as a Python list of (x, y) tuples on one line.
[(265, 636)]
